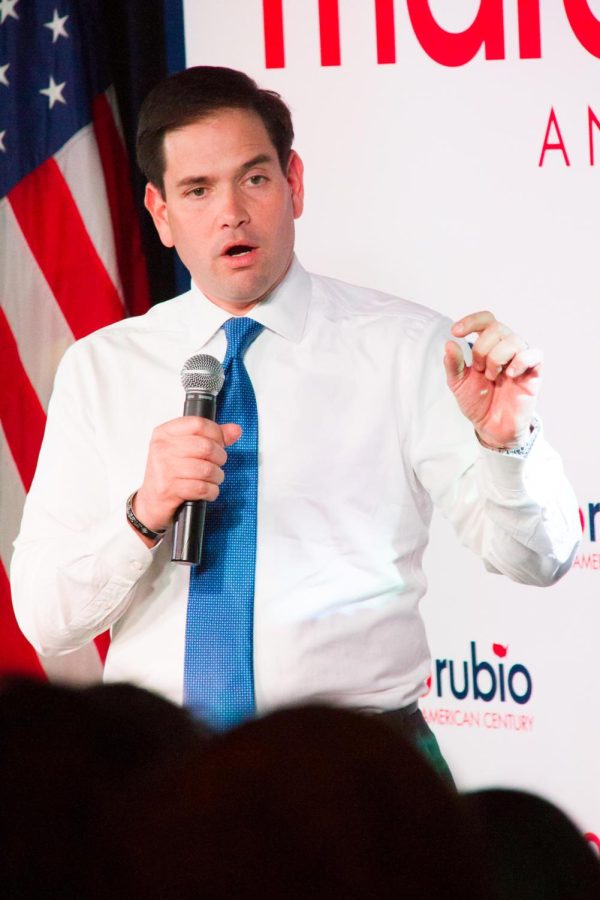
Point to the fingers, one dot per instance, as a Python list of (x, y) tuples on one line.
[(194, 425), (194, 446), (494, 350), (474, 322), (231, 433), (454, 364), (185, 460), (497, 349), (201, 470), (525, 361)]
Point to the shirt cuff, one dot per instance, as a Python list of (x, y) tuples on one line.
[(507, 468), (523, 450), (122, 553)]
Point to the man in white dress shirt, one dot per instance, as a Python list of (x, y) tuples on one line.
[(368, 415)]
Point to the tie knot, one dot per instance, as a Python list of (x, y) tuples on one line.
[(240, 333)]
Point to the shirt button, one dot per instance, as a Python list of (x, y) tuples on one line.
[(136, 565)]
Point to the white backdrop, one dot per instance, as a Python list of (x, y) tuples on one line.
[(424, 180)]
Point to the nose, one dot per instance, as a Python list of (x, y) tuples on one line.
[(233, 211)]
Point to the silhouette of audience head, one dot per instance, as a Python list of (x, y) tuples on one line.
[(69, 758), (534, 850), (311, 802), (113, 792)]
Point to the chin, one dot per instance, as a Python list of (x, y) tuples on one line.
[(249, 293)]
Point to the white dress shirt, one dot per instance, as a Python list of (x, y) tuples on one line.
[(358, 434)]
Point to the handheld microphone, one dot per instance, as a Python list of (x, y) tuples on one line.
[(202, 377)]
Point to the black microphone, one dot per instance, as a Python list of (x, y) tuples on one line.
[(202, 377)]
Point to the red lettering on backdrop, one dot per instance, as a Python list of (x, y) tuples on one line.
[(448, 48), (329, 29), (386, 34), (530, 44), (557, 145), (273, 27), (585, 25), (592, 120), (457, 48)]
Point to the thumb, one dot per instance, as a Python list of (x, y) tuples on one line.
[(231, 433), (454, 364)]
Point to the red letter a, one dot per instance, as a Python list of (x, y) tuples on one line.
[(452, 48), (558, 145)]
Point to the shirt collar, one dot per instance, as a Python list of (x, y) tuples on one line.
[(283, 311)]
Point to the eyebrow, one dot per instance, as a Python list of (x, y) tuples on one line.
[(199, 180), (256, 161)]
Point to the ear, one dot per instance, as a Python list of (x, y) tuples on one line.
[(156, 205), (295, 179)]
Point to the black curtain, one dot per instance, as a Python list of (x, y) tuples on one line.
[(137, 55)]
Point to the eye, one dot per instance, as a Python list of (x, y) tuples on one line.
[(257, 179), (197, 192)]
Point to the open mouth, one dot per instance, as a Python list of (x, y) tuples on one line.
[(239, 250)]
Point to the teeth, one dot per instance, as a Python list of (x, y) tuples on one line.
[(239, 251)]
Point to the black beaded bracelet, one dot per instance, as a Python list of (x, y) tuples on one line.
[(139, 526)]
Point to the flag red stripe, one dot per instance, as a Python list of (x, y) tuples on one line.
[(56, 234), (128, 245), (102, 643), (329, 25), (23, 421), (21, 413), (18, 656), (274, 41)]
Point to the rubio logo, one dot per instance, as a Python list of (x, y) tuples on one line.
[(480, 679), (589, 516), (594, 841), (590, 524)]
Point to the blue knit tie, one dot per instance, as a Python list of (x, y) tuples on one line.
[(218, 673)]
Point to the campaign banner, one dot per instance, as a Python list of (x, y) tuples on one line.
[(452, 156)]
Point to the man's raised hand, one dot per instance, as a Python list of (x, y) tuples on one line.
[(498, 391)]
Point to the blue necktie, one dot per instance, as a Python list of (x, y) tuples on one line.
[(218, 667)]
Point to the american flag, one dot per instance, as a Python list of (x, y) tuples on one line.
[(70, 254)]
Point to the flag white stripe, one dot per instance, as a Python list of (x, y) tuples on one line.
[(35, 319), (83, 666), (79, 162), (13, 498)]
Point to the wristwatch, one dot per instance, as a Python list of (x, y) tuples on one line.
[(524, 449)]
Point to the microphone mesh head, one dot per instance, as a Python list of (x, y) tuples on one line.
[(202, 373)]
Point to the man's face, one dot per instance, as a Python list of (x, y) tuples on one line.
[(228, 208)]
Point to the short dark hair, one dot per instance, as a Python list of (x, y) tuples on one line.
[(195, 93)]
